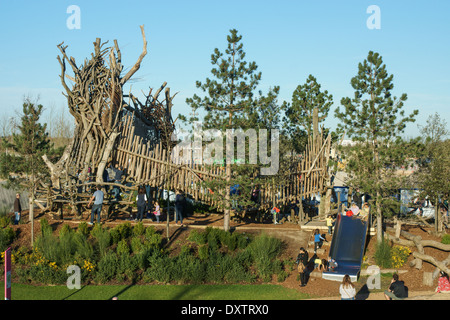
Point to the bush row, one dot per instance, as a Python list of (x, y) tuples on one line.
[(128, 253)]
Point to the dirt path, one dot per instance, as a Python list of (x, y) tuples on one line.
[(419, 295)]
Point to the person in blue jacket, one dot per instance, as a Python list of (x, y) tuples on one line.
[(318, 240)]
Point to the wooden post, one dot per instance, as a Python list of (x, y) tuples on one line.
[(339, 201), (437, 217), (398, 228), (31, 217), (428, 279), (315, 124)]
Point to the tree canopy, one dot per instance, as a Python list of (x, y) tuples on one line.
[(375, 119)]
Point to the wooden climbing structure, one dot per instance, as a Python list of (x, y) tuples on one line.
[(113, 128)]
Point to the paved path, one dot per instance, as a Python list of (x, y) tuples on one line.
[(419, 295)]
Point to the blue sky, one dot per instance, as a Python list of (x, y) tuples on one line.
[(288, 39)]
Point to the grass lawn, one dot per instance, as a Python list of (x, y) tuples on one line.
[(154, 292)]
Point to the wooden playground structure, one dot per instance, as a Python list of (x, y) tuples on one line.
[(132, 136)]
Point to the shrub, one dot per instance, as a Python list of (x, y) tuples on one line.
[(237, 273), (399, 255), (159, 268), (123, 248), (48, 246), (445, 239), (102, 237), (138, 229), (83, 228), (64, 230), (107, 267), (137, 245), (5, 220), (203, 252), (187, 269), (152, 239), (213, 238), (229, 240), (282, 276), (217, 266), (83, 247), (264, 268), (264, 246), (383, 254), (244, 258), (6, 237), (42, 273), (122, 231), (66, 247), (142, 258), (197, 237), (127, 265), (46, 229), (125, 230)]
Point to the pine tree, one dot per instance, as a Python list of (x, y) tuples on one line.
[(231, 102), (434, 171), (374, 119), (23, 167), (305, 98)]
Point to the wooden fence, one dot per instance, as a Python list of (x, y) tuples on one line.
[(148, 164)]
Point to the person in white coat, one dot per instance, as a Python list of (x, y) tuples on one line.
[(347, 289)]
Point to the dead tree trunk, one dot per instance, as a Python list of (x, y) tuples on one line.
[(420, 256), (96, 102)]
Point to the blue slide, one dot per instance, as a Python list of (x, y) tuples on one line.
[(347, 247)]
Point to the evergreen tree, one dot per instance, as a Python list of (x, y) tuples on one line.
[(434, 171), (232, 102), (374, 119), (305, 98), (23, 167)]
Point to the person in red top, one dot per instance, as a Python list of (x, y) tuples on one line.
[(443, 283), (275, 212)]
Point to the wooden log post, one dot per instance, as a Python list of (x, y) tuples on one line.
[(428, 279), (432, 260), (31, 217)]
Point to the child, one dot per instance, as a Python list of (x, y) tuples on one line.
[(324, 265), (317, 240), (332, 264), (157, 211), (329, 220), (318, 264)]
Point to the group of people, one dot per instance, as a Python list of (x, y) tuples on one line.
[(305, 266), (355, 211), (396, 290), (143, 206), (347, 290)]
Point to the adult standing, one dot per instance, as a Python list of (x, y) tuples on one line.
[(141, 201), (17, 209), (117, 179), (97, 197), (347, 289), (179, 207), (302, 262)]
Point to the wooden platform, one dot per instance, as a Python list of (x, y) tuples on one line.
[(313, 225)]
